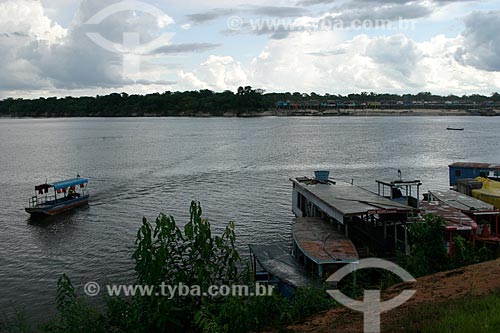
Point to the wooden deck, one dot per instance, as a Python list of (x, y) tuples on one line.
[(322, 243)]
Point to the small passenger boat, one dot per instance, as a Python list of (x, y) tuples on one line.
[(54, 198), (455, 129)]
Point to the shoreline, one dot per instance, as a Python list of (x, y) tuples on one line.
[(292, 113)]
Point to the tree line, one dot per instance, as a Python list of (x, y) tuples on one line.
[(203, 102)]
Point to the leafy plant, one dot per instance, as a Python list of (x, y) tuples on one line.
[(75, 315), (193, 256), (428, 253), (463, 252)]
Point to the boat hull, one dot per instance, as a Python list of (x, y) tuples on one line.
[(60, 207)]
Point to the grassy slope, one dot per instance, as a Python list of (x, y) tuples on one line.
[(462, 300), (467, 315)]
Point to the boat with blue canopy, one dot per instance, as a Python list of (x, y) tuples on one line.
[(54, 198)]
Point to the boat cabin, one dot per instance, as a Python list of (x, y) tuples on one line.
[(406, 192), (463, 170)]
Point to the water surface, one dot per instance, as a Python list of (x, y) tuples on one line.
[(237, 168)]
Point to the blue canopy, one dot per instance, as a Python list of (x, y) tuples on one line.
[(69, 182)]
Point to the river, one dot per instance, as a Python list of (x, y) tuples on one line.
[(238, 168)]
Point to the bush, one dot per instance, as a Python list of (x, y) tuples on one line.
[(165, 253), (428, 253)]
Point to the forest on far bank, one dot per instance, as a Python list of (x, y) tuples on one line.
[(243, 101)]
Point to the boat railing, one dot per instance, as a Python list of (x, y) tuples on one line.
[(35, 201)]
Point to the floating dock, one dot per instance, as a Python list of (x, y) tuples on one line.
[(376, 223)]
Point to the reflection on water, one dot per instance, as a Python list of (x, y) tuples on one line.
[(237, 168)]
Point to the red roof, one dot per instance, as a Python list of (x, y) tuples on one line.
[(455, 219)]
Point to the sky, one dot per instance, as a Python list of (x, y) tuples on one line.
[(95, 47)]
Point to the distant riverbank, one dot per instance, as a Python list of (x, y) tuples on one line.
[(376, 112), (286, 113)]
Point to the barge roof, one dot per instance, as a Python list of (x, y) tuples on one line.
[(350, 200), (282, 265), (320, 241), (463, 202)]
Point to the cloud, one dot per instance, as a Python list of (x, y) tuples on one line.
[(69, 59), (268, 11), (21, 22), (77, 62), (38, 54), (481, 47), (275, 11), (185, 48), (315, 2), (381, 11), (210, 15), (398, 52), (216, 73), (27, 18), (394, 64)]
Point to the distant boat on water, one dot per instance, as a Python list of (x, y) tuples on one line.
[(455, 128), (64, 196)]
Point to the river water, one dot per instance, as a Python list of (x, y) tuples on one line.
[(238, 168)]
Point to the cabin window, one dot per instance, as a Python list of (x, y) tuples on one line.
[(458, 173)]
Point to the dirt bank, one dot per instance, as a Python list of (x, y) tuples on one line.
[(476, 280)]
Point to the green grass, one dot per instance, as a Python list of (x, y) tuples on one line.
[(461, 316)]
